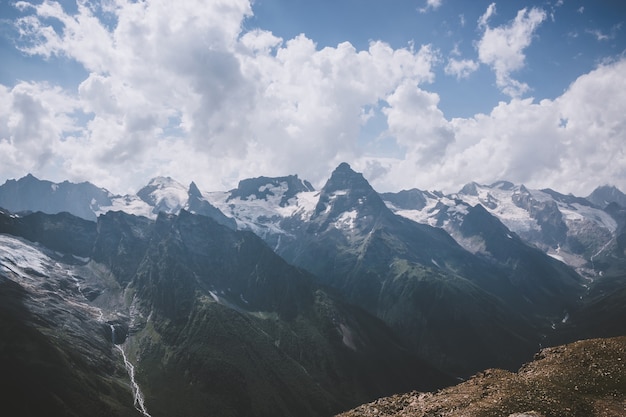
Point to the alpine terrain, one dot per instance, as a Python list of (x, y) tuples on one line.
[(277, 299)]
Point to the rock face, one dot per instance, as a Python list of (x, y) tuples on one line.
[(582, 379), (56, 356), (210, 317)]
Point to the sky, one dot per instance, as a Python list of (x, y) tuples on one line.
[(428, 94)]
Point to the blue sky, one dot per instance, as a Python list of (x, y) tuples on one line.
[(569, 42), (426, 93)]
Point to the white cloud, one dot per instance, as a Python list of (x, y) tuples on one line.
[(32, 118), (502, 47), (184, 79), (601, 36), (418, 124), (484, 18), (572, 144), (180, 89), (461, 68), (431, 5)]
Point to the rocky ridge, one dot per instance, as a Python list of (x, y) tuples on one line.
[(582, 379)]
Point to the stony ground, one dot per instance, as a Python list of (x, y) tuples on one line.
[(583, 379)]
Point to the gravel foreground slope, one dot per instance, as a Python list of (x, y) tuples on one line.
[(582, 379)]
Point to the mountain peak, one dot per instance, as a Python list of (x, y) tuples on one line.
[(194, 191), (161, 181), (164, 194), (347, 191), (607, 194), (344, 166), (344, 177)]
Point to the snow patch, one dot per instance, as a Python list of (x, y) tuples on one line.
[(347, 220), (16, 255), (264, 216), (347, 336), (129, 204), (557, 257)]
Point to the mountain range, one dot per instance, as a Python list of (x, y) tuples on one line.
[(278, 299)]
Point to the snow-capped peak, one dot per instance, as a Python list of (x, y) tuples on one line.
[(164, 194)]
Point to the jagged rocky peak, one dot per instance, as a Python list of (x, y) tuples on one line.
[(194, 191), (347, 190), (197, 204), (607, 194), (344, 178), (262, 188)]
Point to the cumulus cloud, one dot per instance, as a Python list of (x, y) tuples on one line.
[(33, 116), (181, 89), (418, 125), (502, 47), (187, 80), (572, 143)]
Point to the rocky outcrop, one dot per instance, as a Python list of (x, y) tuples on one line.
[(582, 379)]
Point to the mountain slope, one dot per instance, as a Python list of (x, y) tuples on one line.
[(31, 194), (605, 195), (211, 319), (567, 228), (55, 357), (583, 379), (208, 288), (395, 268)]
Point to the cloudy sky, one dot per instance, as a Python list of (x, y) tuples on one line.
[(413, 93)]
